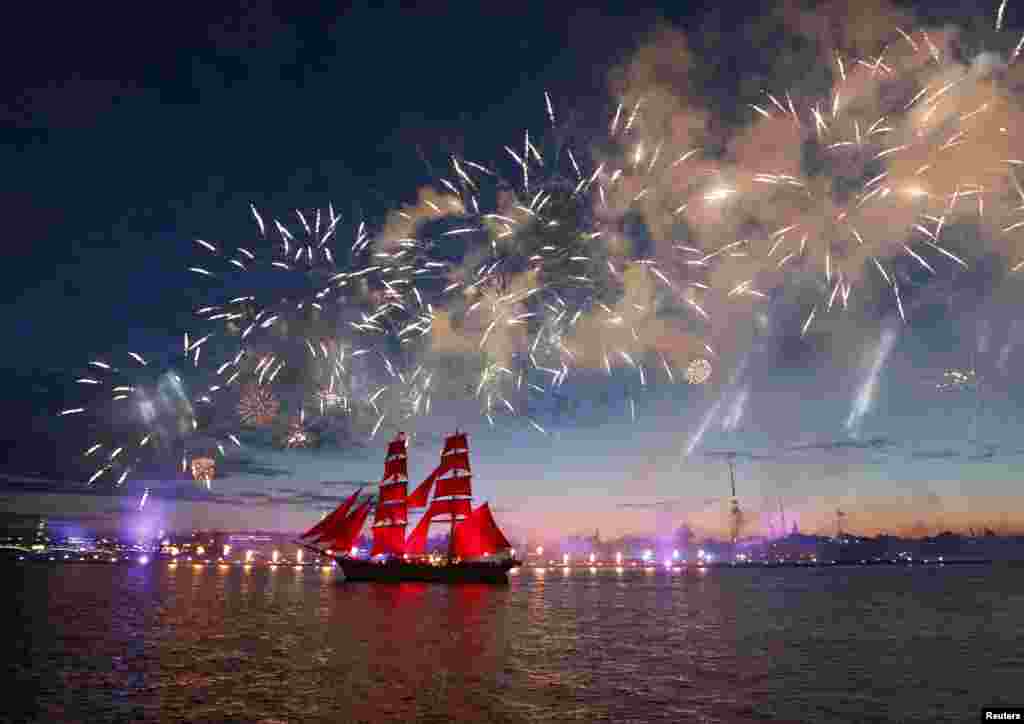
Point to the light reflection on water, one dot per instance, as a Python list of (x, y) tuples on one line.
[(213, 643)]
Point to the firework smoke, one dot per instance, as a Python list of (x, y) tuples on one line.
[(147, 414)]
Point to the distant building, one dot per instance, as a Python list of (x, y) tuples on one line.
[(16, 528)]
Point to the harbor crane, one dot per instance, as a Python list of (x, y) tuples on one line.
[(735, 514)]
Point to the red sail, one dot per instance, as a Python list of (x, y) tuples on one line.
[(336, 526), (392, 513), (329, 519), (416, 543), (456, 442), (452, 461), (391, 492), (388, 539), (421, 494), (419, 497), (454, 486), (396, 468), (349, 530), (335, 517), (397, 446), (479, 534), (455, 461), (461, 508), (395, 461)]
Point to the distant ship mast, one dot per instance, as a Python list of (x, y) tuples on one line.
[(840, 517), (735, 514)]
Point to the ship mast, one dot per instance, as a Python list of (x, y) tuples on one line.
[(391, 512), (456, 473), (451, 531), (451, 482)]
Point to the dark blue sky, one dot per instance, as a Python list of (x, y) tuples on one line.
[(127, 133)]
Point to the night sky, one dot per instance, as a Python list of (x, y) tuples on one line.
[(127, 134)]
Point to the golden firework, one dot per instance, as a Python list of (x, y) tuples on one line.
[(330, 398), (203, 470), (258, 406), (698, 371), (298, 435)]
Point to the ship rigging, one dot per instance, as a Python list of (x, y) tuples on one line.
[(477, 549)]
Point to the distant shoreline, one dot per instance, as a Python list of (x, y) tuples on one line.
[(627, 567)]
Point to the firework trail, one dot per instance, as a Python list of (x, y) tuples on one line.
[(867, 390), (258, 406), (310, 310), (873, 177), (901, 173), (537, 273), (637, 250), (957, 379), (144, 414)]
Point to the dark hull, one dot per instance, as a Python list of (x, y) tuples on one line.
[(404, 571)]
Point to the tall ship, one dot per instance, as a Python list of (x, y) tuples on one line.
[(477, 552)]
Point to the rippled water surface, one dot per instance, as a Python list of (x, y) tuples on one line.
[(93, 643)]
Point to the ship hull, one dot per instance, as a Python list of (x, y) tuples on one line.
[(407, 571)]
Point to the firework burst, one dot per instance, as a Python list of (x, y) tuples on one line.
[(299, 435), (300, 304), (872, 178), (258, 406), (698, 371), (545, 280), (957, 380), (204, 469), (619, 250), (144, 414)]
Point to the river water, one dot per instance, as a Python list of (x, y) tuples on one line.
[(96, 643)]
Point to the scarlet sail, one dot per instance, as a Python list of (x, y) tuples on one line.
[(337, 521), (416, 543), (442, 510), (334, 518), (396, 468), (455, 461), (453, 486), (392, 492), (479, 535), (455, 458), (390, 516), (389, 540), (460, 507), (456, 442), (349, 529), (421, 495)]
